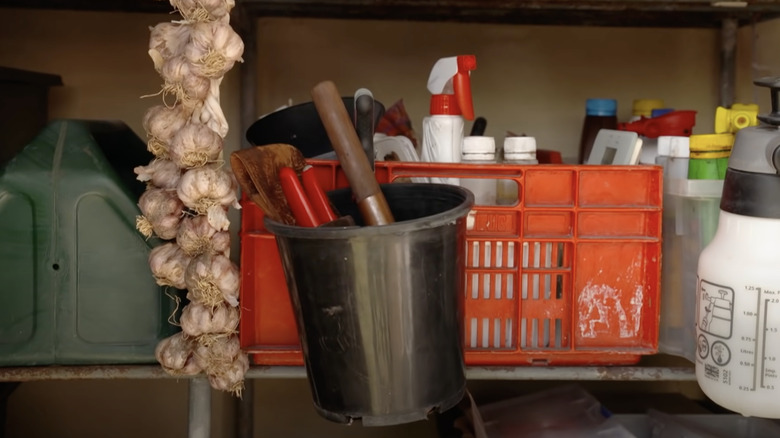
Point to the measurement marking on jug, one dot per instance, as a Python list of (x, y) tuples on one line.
[(763, 343), (758, 326), (717, 307), (768, 370)]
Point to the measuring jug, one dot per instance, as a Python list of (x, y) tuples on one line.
[(738, 293)]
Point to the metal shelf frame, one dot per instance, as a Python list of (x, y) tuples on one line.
[(726, 15), (597, 373)]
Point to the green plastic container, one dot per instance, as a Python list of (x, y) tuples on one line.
[(75, 283)]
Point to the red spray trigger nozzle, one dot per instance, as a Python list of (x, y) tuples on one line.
[(462, 85), (467, 63)]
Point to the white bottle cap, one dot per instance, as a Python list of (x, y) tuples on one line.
[(517, 145), (520, 156), (674, 146), (479, 145)]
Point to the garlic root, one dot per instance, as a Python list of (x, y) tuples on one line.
[(212, 279)]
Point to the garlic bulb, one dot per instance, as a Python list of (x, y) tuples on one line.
[(220, 243), (203, 10), (214, 48), (166, 41), (198, 319), (164, 174), (209, 190), (169, 265), (218, 355), (209, 112), (196, 236), (212, 279), (162, 212), (231, 378), (161, 123), (188, 88), (195, 145), (176, 354)]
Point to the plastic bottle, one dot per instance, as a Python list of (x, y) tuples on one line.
[(673, 155), (480, 150), (599, 114), (738, 291), (517, 150), (644, 108), (450, 86), (709, 156)]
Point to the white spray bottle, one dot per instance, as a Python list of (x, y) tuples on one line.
[(450, 86), (738, 294)]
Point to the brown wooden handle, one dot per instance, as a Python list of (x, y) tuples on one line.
[(350, 152)]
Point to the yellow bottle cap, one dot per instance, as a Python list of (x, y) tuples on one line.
[(645, 107), (738, 117), (711, 145)]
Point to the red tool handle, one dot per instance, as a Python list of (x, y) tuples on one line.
[(296, 198), (317, 197)]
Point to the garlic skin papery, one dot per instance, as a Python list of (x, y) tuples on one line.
[(176, 354), (188, 88), (162, 212), (218, 355), (209, 112), (198, 320), (203, 10), (196, 236), (231, 378), (164, 174), (161, 123), (209, 190), (167, 40), (212, 279), (214, 48), (195, 145), (169, 265)]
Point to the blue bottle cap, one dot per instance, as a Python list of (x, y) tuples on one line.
[(660, 112), (601, 107)]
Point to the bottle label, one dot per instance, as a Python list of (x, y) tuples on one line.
[(738, 335)]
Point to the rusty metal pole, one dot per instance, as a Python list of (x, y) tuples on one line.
[(728, 61), (248, 70)]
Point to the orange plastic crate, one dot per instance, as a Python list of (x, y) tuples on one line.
[(570, 275)]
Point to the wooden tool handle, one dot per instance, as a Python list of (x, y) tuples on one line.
[(344, 139)]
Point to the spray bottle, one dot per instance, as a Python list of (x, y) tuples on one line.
[(738, 293), (450, 86)]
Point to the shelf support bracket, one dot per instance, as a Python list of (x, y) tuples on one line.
[(200, 408)]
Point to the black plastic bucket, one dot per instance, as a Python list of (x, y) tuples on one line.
[(380, 309)]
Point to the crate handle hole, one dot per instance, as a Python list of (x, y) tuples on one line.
[(540, 362)]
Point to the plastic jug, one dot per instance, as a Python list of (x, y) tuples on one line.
[(738, 291)]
